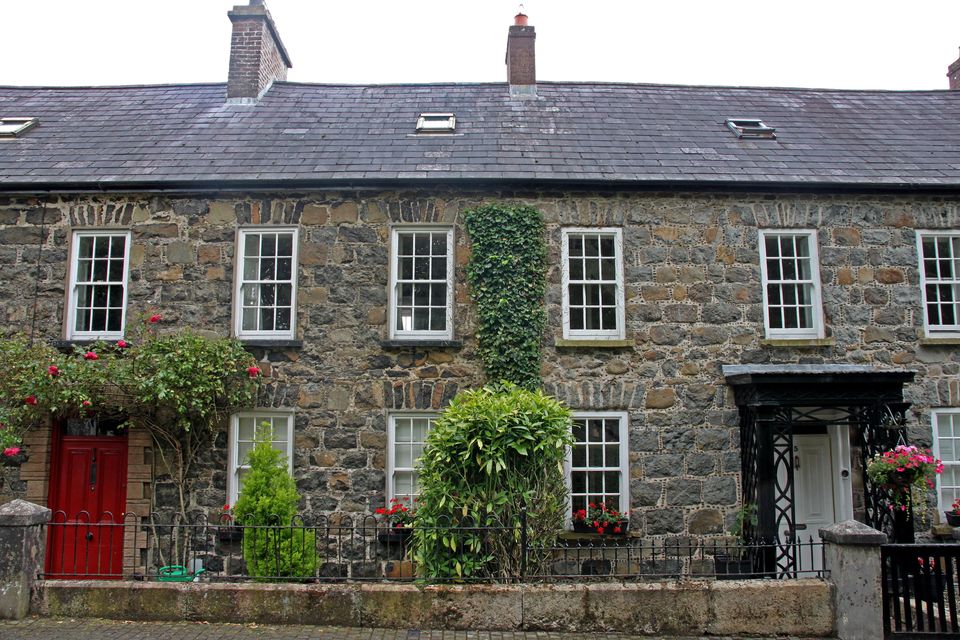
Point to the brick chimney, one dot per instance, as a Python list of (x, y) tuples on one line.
[(521, 59), (953, 73), (257, 55)]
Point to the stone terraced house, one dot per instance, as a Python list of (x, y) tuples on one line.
[(745, 284)]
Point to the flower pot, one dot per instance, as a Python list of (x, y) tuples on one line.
[(395, 535), (953, 519), (229, 534), (584, 527)]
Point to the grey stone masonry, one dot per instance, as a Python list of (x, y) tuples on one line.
[(852, 556), (21, 555), (693, 303)]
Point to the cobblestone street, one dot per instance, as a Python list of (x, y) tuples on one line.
[(60, 628)]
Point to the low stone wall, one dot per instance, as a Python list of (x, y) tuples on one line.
[(749, 607)]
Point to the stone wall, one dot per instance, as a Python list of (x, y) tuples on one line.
[(748, 608), (693, 302)]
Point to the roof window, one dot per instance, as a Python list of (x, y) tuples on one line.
[(750, 128), (12, 127), (436, 123)]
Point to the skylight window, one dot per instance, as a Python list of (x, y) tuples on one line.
[(12, 127), (436, 123), (751, 128)]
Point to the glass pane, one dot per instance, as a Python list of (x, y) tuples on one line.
[(421, 319), (249, 319), (608, 269), (439, 244), (406, 244), (611, 430), (116, 271), (438, 295), (576, 245), (403, 483), (594, 455), (268, 245), (595, 430), (283, 319), (421, 244), (608, 317), (284, 269), (403, 456), (607, 246), (114, 317), (285, 245), (593, 318), (591, 245), (85, 249), (592, 269), (266, 319), (439, 270), (100, 270), (576, 269), (579, 430), (243, 449), (579, 456), (421, 295), (406, 268), (612, 480), (284, 294), (419, 429), (438, 319), (421, 270), (612, 456), (251, 245), (578, 482), (101, 247), (404, 430)]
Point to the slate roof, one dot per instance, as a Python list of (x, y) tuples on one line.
[(575, 133)]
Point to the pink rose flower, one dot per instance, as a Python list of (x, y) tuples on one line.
[(53, 371), (31, 400), (11, 451), (90, 355), (253, 372), (154, 319)]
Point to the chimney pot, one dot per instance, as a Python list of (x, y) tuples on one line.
[(520, 19)]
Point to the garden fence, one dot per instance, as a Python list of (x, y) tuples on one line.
[(341, 548)]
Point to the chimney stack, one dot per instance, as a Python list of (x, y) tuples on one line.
[(521, 59), (953, 73), (257, 55)]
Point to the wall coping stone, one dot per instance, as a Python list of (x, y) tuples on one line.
[(20, 513), (852, 532)]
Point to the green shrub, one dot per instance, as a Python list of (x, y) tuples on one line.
[(507, 276), (494, 452), (272, 546)]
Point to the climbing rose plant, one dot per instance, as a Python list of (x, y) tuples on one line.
[(178, 385)]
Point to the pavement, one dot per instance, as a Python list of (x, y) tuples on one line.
[(94, 629)]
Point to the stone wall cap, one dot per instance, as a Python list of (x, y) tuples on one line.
[(852, 532), (20, 513)]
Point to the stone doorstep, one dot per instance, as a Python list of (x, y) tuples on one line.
[(789, 607)]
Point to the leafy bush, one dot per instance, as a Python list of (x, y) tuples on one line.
[(494, 452), (272, 546), (507, 276)]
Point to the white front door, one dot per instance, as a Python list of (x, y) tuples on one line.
[(814, 476)]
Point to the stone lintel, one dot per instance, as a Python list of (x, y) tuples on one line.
[(20, 513), (852, 532)]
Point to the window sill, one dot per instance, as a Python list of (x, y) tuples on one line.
[(798, 342), (935, 342), (85, 342), (407, 343), (593, 344), (266, 343)]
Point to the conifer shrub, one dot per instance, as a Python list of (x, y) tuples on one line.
[(273, 545)]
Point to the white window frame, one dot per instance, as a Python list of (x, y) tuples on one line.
[(421, 334), (392, 443), (938, 330), (816, 295), (74, 286), (234, 464), (593, 334), (935, 416), (239, 281), (624, 459)]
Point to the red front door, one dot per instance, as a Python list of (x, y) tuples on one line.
[(88, 495)]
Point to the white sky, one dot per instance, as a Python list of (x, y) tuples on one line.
[(854, 44)]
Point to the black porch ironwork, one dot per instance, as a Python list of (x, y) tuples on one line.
[(778, 401)]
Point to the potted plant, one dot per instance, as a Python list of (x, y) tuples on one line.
[(398, 518), (953, 515), (736, 563), (906, 472), (227, 529), (600, 519)]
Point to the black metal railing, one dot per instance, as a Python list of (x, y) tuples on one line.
[(344, 548), (920, 590)]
